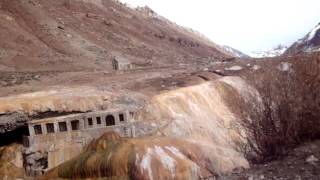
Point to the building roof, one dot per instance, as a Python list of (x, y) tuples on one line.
[(78, 115)]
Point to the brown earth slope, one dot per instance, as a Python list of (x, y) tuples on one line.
[(38, 35)]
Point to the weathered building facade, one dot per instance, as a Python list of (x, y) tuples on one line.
[(56, 140)]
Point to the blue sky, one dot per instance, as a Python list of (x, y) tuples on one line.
[(247, 25)]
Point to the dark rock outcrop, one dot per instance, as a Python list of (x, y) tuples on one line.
[(12, 121)]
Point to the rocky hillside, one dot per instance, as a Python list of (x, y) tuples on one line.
[(309, 43), (39, 35)]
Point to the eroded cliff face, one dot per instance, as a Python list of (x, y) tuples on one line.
[(196, 135)]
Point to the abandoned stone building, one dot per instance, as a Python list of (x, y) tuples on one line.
[(120, 63), (55, 140)]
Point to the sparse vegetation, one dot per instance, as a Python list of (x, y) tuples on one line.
[(289, 115)]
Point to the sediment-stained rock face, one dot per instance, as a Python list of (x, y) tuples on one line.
[(206, 115), (142, 158), (11, 162), (196, 136), (80, 99), (16, 110)]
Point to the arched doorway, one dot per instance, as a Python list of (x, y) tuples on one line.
[(110, 120)]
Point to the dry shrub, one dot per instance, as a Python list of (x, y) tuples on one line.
[(290, 112)]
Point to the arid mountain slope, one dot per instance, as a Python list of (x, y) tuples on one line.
[(38, 35)]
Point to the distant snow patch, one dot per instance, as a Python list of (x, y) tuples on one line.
[(313, 32), (312, 49), (284, 66), (234, 68), (274, 52)]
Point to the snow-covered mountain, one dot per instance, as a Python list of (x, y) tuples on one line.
[(234, 52), (309, 43), (274, 52)]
